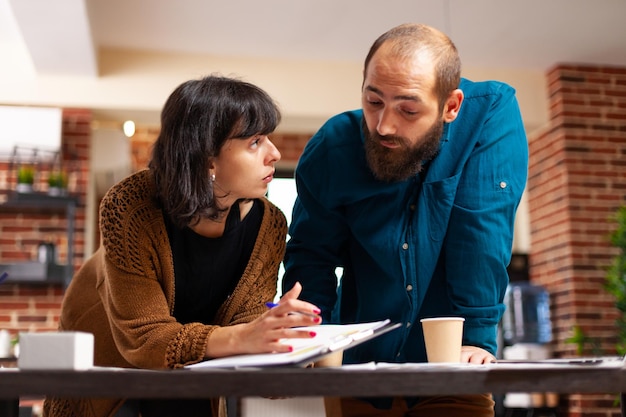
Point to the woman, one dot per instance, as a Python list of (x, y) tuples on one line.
[(190, 250)]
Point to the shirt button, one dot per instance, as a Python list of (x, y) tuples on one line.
[(408, 324), (409, 287), (412, 207), (503, 184), (405, 246)]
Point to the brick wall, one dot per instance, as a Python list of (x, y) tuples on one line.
[(577, 180), (36, 307)]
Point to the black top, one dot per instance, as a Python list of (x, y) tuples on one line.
[(208, 269)]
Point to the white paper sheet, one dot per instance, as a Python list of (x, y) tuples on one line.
[(329, 338)]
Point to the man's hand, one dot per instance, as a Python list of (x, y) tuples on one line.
[(473, 354)]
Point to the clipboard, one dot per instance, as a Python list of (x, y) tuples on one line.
[(330, 338)]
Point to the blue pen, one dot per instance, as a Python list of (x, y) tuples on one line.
[(3, 276), (269, 304)]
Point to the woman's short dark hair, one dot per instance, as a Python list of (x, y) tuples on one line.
[(196, 120)]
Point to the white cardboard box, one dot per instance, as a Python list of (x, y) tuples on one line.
[(56, 350)]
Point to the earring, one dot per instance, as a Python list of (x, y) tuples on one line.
[(212, 177)]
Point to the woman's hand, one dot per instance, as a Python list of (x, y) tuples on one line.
[(263, 334), (473, 354)]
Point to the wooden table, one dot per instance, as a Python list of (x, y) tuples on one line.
[(297, 382)]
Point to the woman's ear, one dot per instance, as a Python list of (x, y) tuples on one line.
[(453, 105), (211, 166)]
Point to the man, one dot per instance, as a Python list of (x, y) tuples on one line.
[(414, 196)]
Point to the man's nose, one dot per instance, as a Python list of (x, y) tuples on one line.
[(386, 123)]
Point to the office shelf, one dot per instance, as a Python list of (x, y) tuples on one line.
[(38, 202)]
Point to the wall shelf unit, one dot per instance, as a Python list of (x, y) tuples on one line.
[(39, 272)]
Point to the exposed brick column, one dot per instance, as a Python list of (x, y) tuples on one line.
[(76, 145), (577, 180)]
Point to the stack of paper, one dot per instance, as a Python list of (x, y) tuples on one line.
[(329, 338)]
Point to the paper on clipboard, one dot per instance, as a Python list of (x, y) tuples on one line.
[(329, 338)]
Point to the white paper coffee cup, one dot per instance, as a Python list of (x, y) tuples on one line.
[(443, 337)]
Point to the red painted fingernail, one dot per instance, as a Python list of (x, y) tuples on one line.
[(317, 319), (312, 334), (290, 348), (317, 311)]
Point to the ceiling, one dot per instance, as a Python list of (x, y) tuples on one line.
[(64, 36), (529, 34)]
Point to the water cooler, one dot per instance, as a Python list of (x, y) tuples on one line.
[(526, 331), (526, 318)]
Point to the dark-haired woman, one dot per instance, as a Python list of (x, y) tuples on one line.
[(190, 251)]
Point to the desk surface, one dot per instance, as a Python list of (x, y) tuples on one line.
[(427, 380)]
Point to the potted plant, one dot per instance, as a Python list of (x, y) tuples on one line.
[(25, 178), (57, 183)]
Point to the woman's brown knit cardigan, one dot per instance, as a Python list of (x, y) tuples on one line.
[(124, 293)]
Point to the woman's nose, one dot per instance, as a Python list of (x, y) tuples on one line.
[(273, 152)]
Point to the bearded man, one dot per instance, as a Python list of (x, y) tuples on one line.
[(414, 197)]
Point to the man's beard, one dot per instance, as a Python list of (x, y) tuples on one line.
[(401, 163)]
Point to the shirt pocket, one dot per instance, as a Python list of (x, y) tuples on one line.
[(437, 201)]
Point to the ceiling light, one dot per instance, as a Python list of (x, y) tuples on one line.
[(129, 128)]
